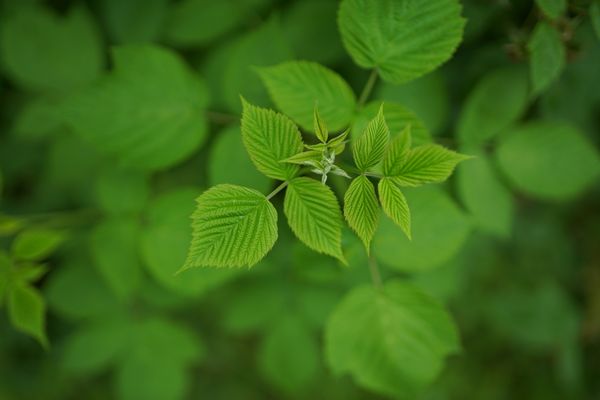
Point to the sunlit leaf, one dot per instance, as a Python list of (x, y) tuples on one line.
[(361, 209)]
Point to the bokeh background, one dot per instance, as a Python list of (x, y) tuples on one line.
[(511, 244)]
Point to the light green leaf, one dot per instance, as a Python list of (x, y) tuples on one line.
[(230, 163), (96, 346), (394, 204), (297, 86), (397, 118), (198, 22), (397, 152), (311, 157), (147, 113), (368, 149), (27, 312), (484, 196), (120, 191), (552, 8), (495, 103), (314, 215), (361, 209), (125, 24), (165, 242), (292, 368), (392, 340), (269, 138), (114, 248), (43, 51), (595, 16), (36, 244), (436, 223), (320, 127), (403, 39), (233, 226), (429, 163), (548, 56), (548, 160)]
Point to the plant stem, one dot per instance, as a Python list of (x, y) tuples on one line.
[(375, 275), (364, 96), (277, 190)]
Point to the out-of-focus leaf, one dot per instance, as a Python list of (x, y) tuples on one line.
[(229, 162), (296, 87), (552, 8), (36, 244), (27, 311), (292, 368), (439, 229), (45, 52), (549, 160), (548, 56), (126, 24), (484, 196), (114, 248), (392, 340), (495, 103), (402, 39), (122, 191), (595, 16), (198, 22), (147, 113)]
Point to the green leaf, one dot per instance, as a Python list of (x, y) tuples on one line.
[(393, 341), (394, 204), (121, 191), (361, 209), (397, 118), (297, 86), (403, 39), (198, 22), (36, 244), (233, 226), (436, 223), (125, 24), (269, 138), (157, 339), (45, 52), (429, 163), (311, 158), (230, 163), (552, 8), (397, 152), (488, 201), (165, 243), (548, 56), (26, 309), (368, 149), (495, 103), (548, 160), (76, 291), (147, 113), (320, 127), (96, 346), (314, 215), (595, 16), (5, 275), (114, 248), (291, 368)]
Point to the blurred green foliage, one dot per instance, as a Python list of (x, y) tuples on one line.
[(116, 114)]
